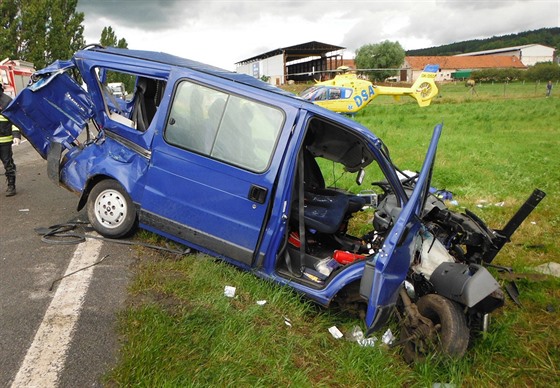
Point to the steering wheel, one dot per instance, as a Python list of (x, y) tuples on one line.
[(384, 185), (409, 179)]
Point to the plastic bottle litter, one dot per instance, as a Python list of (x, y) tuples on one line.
[(388, 337), (355, 334), (367, 342), (326, 266)]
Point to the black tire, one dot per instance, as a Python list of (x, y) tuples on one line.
[(452, 337), (110, 209)]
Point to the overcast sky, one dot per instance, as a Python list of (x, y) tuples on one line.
[(223, 32)]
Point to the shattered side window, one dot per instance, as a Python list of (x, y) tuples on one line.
[(118, 105), (130, 99), (226, 127)]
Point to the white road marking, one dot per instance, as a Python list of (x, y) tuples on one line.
[(47, 354)]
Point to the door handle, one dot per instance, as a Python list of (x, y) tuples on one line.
[(257, 193)]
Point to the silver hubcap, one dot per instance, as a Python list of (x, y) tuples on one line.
[(110, 208)]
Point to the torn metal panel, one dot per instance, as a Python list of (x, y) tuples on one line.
[(62, 114)]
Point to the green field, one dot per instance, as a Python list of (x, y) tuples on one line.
[(179, 330)]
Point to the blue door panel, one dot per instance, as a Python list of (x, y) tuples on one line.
[(392, 263), (203, 198), (206, 197), (56, 110)]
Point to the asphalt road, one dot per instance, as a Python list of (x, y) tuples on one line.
[(28, 268)]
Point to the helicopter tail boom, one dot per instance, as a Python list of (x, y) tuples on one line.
[(423, 89)]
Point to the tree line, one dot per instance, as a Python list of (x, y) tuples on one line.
[(42, 31), (546, 36), (384, 56)]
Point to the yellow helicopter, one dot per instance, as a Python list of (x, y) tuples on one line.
[(346, 93)]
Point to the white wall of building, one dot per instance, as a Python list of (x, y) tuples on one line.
[(529, 54), (272, 67), (533, 54)]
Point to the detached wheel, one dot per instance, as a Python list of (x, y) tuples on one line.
[(447, 334), (110, 209)]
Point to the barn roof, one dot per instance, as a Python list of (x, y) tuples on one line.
[(476, 62), (298, 51)]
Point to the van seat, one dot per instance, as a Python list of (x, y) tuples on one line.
[(325, 213)]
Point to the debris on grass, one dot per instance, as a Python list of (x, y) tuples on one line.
[(337, 334), (229, 291), (388, 337), (357, 335), (287, 321), (550, 268)]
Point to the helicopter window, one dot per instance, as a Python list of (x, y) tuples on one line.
[(307, 93), (321, 94), (334, 94), (346, 93)]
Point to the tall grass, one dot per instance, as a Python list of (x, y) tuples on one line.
[(492, 151), (180, 330)]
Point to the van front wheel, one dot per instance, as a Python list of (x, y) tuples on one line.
[(445, 331), (110, 209)]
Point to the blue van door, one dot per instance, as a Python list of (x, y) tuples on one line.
[(55, 109), (386, 272), (213, 170)]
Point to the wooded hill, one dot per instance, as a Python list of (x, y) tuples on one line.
[(546, 36)]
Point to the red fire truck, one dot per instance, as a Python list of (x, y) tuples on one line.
[(15, 75)]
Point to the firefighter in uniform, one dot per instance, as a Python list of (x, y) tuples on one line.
[(9, 134)]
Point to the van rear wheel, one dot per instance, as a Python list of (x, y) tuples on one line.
[(110, 209)]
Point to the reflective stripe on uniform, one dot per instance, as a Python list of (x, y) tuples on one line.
[(6, 139), (9, 138)]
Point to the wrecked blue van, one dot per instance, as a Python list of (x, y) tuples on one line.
[(236, 168)]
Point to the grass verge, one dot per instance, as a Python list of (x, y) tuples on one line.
[(180, 330)]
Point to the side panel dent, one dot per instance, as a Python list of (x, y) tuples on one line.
[(107, 158)]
